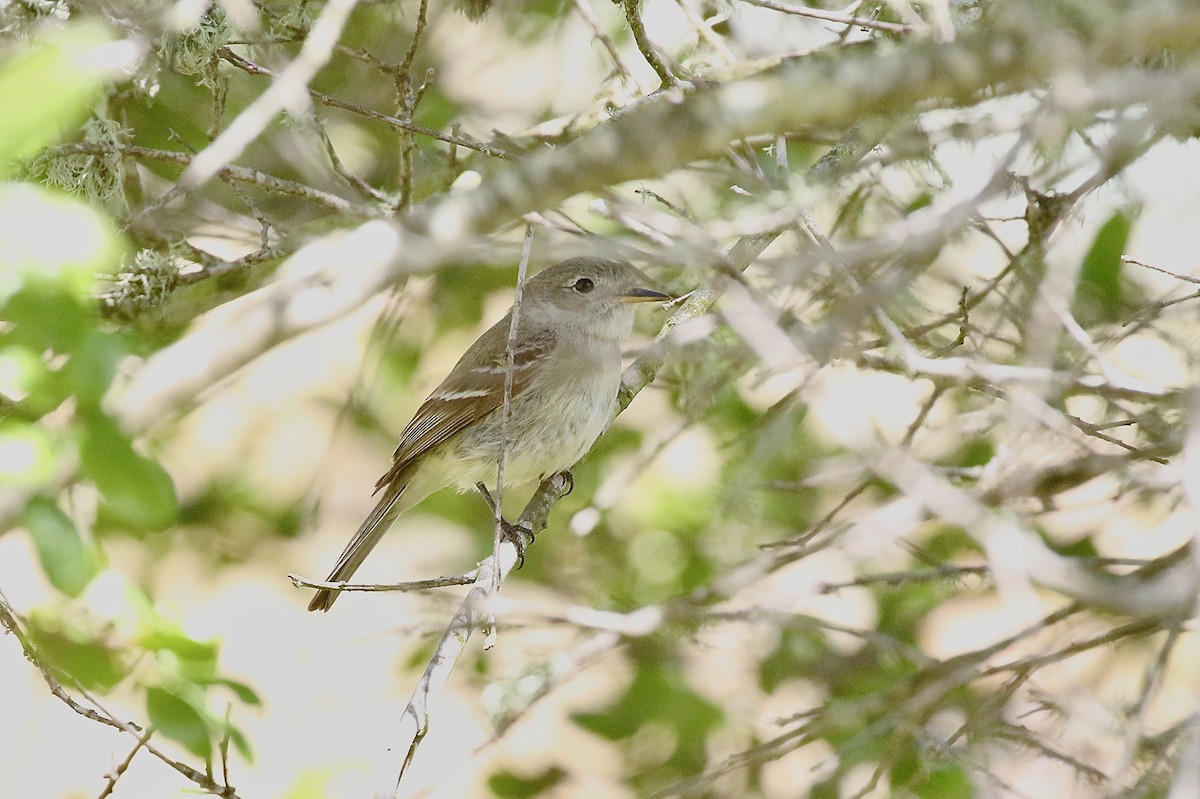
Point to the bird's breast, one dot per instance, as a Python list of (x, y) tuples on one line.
[(555, 420)]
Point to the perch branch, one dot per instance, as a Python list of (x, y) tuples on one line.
[(414, 723)]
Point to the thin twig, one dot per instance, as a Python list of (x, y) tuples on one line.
[(9, 621), (510, 363), (358, 184), (830, 16), (589, 16), (412, 585), (232, 171), (245, 64), (1176, 275), (289, 92), (633, 16), (705, 32), (1135, 727), (123, 766), (407, 105)]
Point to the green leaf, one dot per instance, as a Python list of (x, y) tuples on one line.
[(93, 365), (67, 561), (175, 718), (162, 637), (975, 451), (1083, 548), (242, 691), (95, 665), (138, 491), (240, 743), (185, 660), (54, 84), (659, 694), (508, 785), (950, 782), (1098, 296), (46, 316)]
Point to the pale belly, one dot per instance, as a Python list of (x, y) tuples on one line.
[(547, 432)]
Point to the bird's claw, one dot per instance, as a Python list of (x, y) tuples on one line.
[(516, 534)]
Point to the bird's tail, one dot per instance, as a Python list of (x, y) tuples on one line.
[(364, 540)]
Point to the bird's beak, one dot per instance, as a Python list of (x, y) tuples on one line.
[(644, 295)]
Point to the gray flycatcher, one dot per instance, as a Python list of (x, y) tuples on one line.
[(566, 373)]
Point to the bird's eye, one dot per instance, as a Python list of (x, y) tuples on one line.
[(583, 285)]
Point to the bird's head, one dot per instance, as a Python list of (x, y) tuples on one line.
[(593, 294)]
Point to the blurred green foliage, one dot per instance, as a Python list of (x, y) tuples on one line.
[(54, 84), (58, 358), (659, 697), (512, 786), (1100, 296)]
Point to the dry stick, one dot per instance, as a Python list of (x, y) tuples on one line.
[(510, 363), (123, 766), (407, 103), (564, 665), (232, 171), (652, 139), (339, 168), (466, 578), (934, 681), (248, 66), (859, 487), (830, 16), (968, 372), (289, 92), (203, 779), (9, 621), (1019, 559), (1135, 730), (589, 16), (705, 32), (492, 571), (634, 18), (637, 375)]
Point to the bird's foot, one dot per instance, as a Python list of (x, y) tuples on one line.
[(516, 533)]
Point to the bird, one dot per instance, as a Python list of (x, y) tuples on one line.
[(566, 372)]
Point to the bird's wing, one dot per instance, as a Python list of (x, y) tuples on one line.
[(472, 390)]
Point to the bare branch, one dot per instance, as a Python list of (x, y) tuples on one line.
[(251, 68), (231, 171), (289, 92), (830, 16), (415, 721)]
